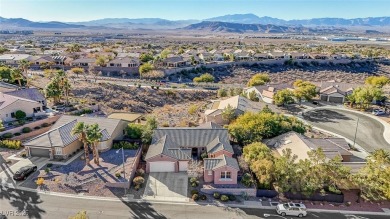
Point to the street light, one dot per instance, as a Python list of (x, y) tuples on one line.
[(357, 124), (123, 163)]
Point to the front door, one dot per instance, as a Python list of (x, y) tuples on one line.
[(194, 152)]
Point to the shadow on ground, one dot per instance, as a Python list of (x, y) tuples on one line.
[(324, 115)]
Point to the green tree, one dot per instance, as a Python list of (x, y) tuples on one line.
[(164, 54), (266, 109), (151, 125), (77, 71), (146, 57), (377, 81), (193, 109), (24, 64), (5, 73), (285, 171), (94, 136), (80, 129), (228, 114), (2, 128), (304, 90), (101, 61), (364, 96), (134, 130), (53, 90), (145, 68), (17, 75), (283, 97), (207, 77), (258, 79)]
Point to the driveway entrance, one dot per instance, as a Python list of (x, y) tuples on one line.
[(167, 187)]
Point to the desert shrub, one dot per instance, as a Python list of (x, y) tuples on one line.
[(45, 124), (217, 195), (165, 124), (139, 180), (7, 135), (11, 144), (83, 111), (224, 198), (40, 181), (204, 78), (125, 145), (194, 191), (140, 172), (232, 197), (26, 130), (203, 197), (195, 197)]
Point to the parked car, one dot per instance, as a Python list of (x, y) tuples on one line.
[(378, 112), (24, 172), (285, 209), (315, 103), (299, 205)]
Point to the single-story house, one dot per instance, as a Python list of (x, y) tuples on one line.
[(59, 142), (238, 103), (335, 92), (6, 87), (30, 101), (13, 58), (300, 145), (174, 62), (266, 92), (172, 148), (129, 117), (124, 62), (84, 62)]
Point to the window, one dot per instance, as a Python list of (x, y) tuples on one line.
[(225, 175), (58, 151), (12, 115), (210, 172)]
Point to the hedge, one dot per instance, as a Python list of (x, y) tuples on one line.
[(7, 135), (11, 144), (125, 145), (26, 130)]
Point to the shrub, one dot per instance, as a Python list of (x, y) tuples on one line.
[(47, 170), (134, 131), (139, 180), (49, 165), (204, 155), (37, 127), (194, 191), (24, 155), (195, 197), (194, 182), (140, 172), (165, 124), (26, 130), (7, 135), (224, 198), (216, 195), (40, 181), (232, 197), (247, 180), (11, 144), (19, 115), (17, 134), (45, 125), (125, 145), (207, 77), (137, 187), (203, 197), (118, 175)]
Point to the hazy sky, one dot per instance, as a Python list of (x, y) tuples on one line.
[(83, 10)]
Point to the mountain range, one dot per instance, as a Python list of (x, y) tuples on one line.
[(228, 23)]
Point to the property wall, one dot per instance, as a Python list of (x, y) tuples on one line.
[(135, 165), (232, 191), (27, 107), (32, 124), (71, 148), (161, 158), (217, 175)]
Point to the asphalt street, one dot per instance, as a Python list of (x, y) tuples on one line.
[(369, 132), (22, 204)]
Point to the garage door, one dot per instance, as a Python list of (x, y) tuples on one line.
[(39, 152), (162, 166), (183, 165), (336, 99)]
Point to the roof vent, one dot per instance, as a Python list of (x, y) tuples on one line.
[(287, 141)]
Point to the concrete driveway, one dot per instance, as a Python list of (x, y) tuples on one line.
[(369, 133), (7, 172), (167, 187)]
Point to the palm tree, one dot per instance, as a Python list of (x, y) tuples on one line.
[(94, 135), (17, 75), (24, 65), (81, 129)]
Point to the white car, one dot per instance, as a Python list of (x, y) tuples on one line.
[(290, 209), (378, 112)]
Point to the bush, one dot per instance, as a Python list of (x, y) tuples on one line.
[(7, 135), (125, 145), (140, 172), (26, 130), (11, 144), (247, 180), (45, 125), (20, 115), (137, 187), (139, 180), (216, 195), (49, 165), (118, 175), (47, 170), (195, 197), (203, 197), (204, 78), (134, 131), (194, 191), (24, 155), (17, 134), (232, 197), (204, 155), (37, 127), (194, 182), (40, 181), (224, 198)]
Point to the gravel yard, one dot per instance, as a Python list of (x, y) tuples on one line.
[(76, 177)]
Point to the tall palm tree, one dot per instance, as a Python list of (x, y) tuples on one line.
[(17, 75), (81, 129), (24, 65), (94, 135)]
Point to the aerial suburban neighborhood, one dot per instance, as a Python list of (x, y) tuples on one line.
[(236, 116)]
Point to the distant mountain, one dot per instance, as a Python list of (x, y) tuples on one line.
[(137, 22), (216, 26), (23, 23), (247, 19)]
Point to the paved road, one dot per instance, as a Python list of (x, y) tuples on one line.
[(369, 134), (34, 205)]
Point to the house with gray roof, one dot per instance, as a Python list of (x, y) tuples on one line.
[(59, 142), (335, 92), (172, 148)]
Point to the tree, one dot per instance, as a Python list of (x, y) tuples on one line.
[(145, 68), (17, 75), (284, 172), (228, 114), (80, 215), (53, 90), (2, 128), (283, 97), (151, 124), (377, 81), (77, 71), (266, 109), (94, 135), (5, 73), (134, 130), (80, 129), (20, 115), (374, 178), (304, 90), (24, 64), (222, 92), (258, 79), (207, 77), (101, 61), (365, 95), (146, 57), (164, 54)]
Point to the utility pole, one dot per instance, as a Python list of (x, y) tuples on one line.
[(354, 139)]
